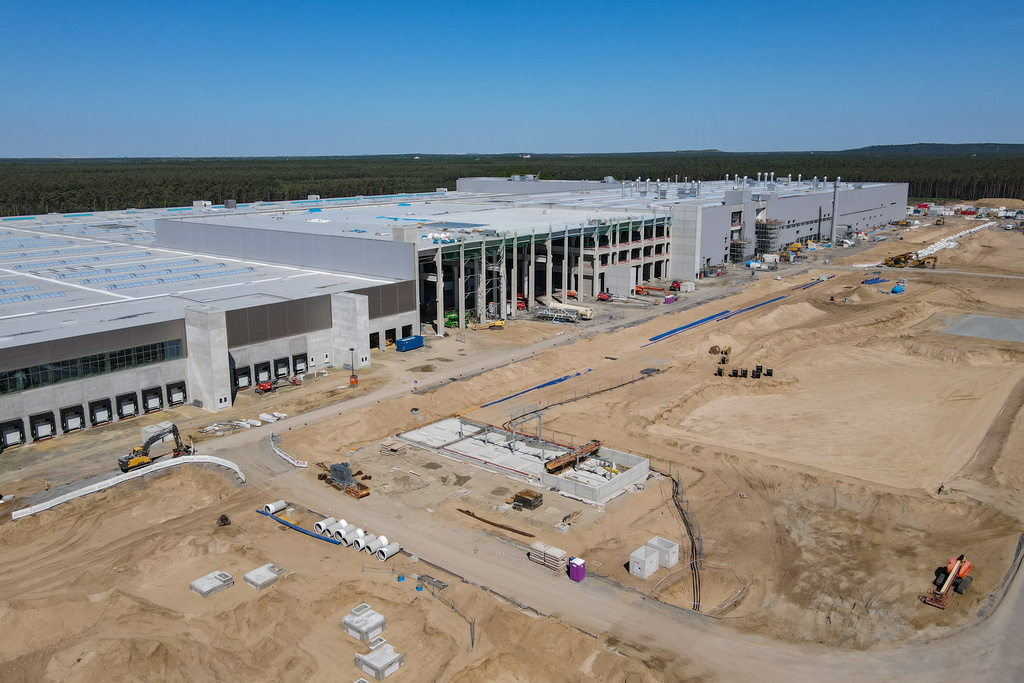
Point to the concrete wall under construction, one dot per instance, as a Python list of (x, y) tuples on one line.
[(632, 469)]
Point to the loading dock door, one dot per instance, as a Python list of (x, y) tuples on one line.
[(176, 393), (152, 399), (281, 367), (42, 426), (72, 418), (263, 372), (12, 433), (243, 378), (99, 411), (127, 406), (299, 362)]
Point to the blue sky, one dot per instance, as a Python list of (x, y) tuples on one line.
[(301, 78)]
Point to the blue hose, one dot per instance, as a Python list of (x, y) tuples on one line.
[(298, 528)]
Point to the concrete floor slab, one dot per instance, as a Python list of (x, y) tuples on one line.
[(988, 327)]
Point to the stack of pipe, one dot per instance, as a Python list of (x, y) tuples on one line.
[(548, 555)]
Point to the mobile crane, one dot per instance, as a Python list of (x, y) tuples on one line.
[(139, 456)]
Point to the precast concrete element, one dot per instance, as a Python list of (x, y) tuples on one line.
[(285, 456), (643, 562), (120, 479), (275, 507), (347, 534), (376, 544), (214, 582), (380, 663), (265, 576), (322, 526), (364, 623), (390, 550), (668, 552), (363, 541)]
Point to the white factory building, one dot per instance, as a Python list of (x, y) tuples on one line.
[(108, 315)]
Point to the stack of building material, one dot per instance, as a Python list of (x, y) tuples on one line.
[(213, 582), (264, 576), (548, 555), (392, 448), (531, 500)]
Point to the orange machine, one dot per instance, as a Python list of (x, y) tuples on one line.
[(640, 290), (953, 576)]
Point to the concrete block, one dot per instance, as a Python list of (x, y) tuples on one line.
[(381, 662), (668, 552), (643, 562), (265, 576), (214, 582), (363, 623)]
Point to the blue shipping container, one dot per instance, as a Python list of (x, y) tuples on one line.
[(409, 343)]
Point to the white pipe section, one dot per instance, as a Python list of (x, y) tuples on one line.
[(364, 541), (346, 535), (274, 508), (332, 530), (321, 526), (387, 551), (376, 545)]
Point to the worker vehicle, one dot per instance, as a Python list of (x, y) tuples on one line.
[(571, 294), (940, 220), (265, 387), (604, 296), (521, 302), (675, 286), (490, 325), (952, 576), (451, 319), (140, 455), (641, 290)]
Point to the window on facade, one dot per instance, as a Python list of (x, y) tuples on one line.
[(86, 366)]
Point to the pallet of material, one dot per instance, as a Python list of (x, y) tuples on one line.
[(392, 448), (531, 500), (549, 556)]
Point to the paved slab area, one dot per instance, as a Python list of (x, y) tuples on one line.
[(988, 327)]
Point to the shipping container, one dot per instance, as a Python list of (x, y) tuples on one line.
[(409, 343)]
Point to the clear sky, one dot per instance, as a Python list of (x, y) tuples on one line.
[(146, 78)]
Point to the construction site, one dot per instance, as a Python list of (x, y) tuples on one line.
[(806, 471)]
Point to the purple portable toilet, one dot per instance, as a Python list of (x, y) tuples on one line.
[(577, 569)]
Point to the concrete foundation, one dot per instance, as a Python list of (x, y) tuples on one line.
[(364, 623), (380, 663), (213, 582), (265, 576)]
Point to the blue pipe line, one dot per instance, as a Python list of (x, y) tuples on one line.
[(687, 326), (750, 308), (298, 528), (539, 386)]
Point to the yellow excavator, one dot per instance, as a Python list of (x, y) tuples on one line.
[(139, 456)]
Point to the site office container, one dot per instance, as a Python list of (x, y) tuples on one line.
[(409, 343)]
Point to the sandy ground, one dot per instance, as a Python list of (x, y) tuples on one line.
[(817, 492)]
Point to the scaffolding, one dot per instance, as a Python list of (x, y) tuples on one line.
[(769, 235)]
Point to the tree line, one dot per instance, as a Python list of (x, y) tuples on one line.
[(37, 186)]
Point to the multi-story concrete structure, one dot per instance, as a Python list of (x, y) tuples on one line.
[(104, 316)]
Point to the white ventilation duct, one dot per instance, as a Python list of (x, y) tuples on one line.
[(388, 551), (273, 508), (376, 544)]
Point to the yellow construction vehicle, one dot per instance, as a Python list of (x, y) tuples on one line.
[(924, 262), (489, 325), (139, 456), (911, 259), (940, 220)]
